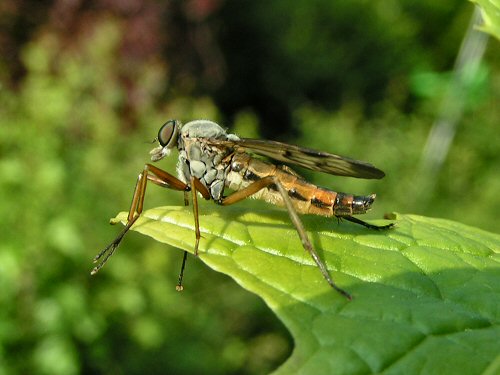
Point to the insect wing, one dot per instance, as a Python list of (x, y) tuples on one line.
[(305, 157)]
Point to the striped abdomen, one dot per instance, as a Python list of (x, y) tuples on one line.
[(306, 197)]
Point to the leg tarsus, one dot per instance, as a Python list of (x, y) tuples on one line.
[(149, 173), (110, 249), (179, 287), (353, 219)]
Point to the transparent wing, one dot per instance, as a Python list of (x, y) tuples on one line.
[(304, 157)]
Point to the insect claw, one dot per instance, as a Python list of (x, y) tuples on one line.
[(341, 291), (179, 286), (107, 252)]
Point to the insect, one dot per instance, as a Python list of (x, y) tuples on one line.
[(211, 160)]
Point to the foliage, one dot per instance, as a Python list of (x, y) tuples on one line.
[(491, 16), (274, 64), (426, 289)]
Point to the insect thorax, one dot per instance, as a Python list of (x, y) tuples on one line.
[(200, 159)]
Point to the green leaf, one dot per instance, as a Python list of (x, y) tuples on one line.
[(426, 293), (490, 11)]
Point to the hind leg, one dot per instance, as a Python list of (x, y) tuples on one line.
[(353, 219)]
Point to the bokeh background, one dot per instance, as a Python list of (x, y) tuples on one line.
[(84, 87)]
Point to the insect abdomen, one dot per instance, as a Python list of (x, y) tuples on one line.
[(327, 202), (306, 197), (348, 204)]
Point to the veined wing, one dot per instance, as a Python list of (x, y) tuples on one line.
[(305, 157)]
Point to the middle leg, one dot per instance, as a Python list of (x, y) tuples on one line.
[(196, 186)]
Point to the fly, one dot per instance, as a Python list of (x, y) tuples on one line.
[(211, 160)]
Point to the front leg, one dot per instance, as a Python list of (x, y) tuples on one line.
[(158, 177), (306, 243)]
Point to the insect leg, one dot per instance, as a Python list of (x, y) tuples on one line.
[(306, 243), (154, 175), (196, 185), (179, 286), (353, 219)]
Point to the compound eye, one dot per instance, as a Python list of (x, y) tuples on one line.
[(167, 135)]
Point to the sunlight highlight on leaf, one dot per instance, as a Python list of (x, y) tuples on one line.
[(424, 292)]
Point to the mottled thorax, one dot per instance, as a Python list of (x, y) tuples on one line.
[(201, 159)]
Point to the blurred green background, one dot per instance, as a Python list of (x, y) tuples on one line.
[(84, 87)]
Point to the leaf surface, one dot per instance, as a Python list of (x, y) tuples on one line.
[(426, 293), (490, 11)]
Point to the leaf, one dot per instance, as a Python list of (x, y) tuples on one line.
[(490, 11), (426, 293)]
